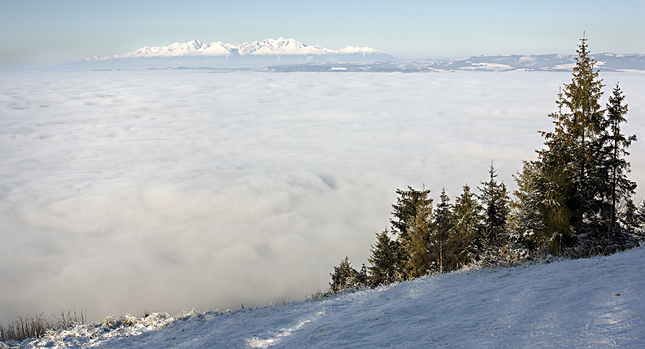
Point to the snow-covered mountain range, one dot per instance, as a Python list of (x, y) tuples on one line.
[(219, 55), (268, 47)]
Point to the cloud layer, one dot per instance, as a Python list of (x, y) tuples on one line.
[(170, 190)]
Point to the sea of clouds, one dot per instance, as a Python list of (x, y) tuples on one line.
[(126, 191)]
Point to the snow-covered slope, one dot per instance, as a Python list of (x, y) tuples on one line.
[(588, 303)]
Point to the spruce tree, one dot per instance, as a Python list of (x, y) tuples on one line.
[(528, 207), (344, 276), (542, 206), (631, 219), (495, 201), (466, 221), (583, 125), (405, 209), (416, 248), (441, 246), (567, 193), (639, 222), (405, 212), (618, 188), (383, 262)]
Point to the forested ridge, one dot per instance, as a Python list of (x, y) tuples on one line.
[(574, 200)]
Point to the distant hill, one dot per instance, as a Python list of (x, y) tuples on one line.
[(553, 62)]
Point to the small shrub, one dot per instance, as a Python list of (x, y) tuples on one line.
[(35, 327)]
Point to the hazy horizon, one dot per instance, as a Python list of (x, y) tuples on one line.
[(52, 32)]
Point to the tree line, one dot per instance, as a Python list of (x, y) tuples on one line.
[(574, 200)]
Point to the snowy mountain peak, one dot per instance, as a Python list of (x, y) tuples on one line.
[(359, 50), (191, 48), (280, 46)]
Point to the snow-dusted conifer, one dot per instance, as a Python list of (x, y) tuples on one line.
[(466, 221), (567, 192), (583, 121), (416, 248), (494, 199), (406, 208), (383, 261), (405, 212), (639, 222), (617, 187), (344, 276), (441, 246)]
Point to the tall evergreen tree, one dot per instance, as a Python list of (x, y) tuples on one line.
[(495, 201), (405, 213), (466, 221), (441, 246), (567, 192), (618, 187), (583, 125), (417, 260)]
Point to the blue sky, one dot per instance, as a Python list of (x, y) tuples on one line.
[(62, 30)]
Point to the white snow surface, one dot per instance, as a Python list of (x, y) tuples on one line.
[(269, 46), (587, 303)]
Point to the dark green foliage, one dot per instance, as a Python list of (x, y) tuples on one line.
[(441, 244), (569, 198), (616, 187), (406, 218), (542, 213), (583, 124), (568, 162), (528, 206), (636, 220), (495, 202), (384, 261), (631, 219), (406, 208), (345, 277), (416, 248), (466, 223)]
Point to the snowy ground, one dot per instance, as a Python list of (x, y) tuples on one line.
[(127, 191), (587, 303)]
